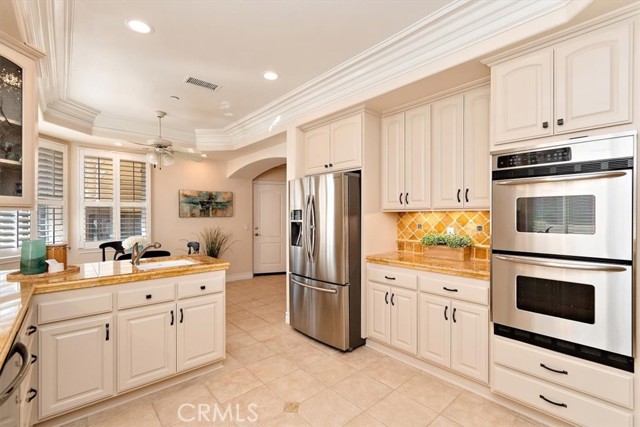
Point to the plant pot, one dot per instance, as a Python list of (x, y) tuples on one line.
[(445, 252)]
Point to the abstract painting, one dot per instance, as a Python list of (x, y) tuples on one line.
[(203, 204)]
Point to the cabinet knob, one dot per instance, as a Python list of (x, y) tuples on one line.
[(330, 165), (560, 122), (31, 330), (545, 125), (203, 287), (148, 296), (326, 166), (31, 394)]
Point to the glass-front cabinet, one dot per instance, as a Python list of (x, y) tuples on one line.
[(18, 122)]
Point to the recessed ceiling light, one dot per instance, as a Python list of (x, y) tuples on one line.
[(225, 105), (118, 144), (228, 114), (270, 75), (203, 155), (139, 26)]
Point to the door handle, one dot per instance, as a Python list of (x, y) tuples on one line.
[(564, 405), (107, 328), (545, 125), (557, 371), (446, 307), (458, 195), (400, 198), (257, 234), (541, 180), (172, 318), (386, 297), (588, 266), (392, 295), (449, 289), (560, 122), (453, 315), (315, 288), (466, 195), (181, 315), (31, 330), (31, 394), (406, 198)]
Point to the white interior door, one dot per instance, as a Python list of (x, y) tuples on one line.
[(269, 233)]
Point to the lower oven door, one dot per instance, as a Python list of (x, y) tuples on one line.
[(580, 302)]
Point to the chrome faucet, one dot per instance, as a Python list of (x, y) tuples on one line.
[(137, 254)]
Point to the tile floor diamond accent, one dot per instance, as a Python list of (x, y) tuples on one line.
[(298, 382)]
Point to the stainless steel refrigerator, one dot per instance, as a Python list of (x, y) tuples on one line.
[(324, 258)]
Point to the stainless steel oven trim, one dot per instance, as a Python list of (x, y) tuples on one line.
[(580, 177), (589, 266)]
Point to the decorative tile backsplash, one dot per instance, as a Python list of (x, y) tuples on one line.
[(465, 223)]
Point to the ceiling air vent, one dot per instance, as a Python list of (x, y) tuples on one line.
[(201, 83)]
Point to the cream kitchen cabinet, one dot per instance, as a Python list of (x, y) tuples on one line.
[(76, 363), (581, 83), (453, 324), (200, 334), (334, 146), (392, 311), (406, 160), (146, 345), (460, 151)]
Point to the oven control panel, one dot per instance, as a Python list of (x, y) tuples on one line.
[(554, 155)]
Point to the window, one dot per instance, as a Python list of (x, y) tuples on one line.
[(114, 197), (15, 226), (51, 211)]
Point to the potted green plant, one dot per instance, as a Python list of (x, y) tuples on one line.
[(214, 242), (447, 246)]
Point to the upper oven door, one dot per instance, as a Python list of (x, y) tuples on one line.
[(581, 215)]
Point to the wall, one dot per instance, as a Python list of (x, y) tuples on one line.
[(174, 232), (277, 174), (463, 222)]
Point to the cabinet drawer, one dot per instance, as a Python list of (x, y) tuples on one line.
[(393, 276), (204, 286), (579, 375), (71, 308), (147, 295), (455, 287), (568, 405)]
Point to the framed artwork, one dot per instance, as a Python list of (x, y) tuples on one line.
[(204, 204)]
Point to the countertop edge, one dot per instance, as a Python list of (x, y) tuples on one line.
[(17, 324), (386, 259)]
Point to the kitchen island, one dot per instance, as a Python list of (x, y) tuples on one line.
[(113, 327)]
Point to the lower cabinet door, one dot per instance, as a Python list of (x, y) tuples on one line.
[(434, 339), (76, 363), (404, 320), (146, 344), (200, 331), (378, 312), (470, 340)]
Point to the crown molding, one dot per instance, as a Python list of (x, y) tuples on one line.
[(47, 24), (133, 130)]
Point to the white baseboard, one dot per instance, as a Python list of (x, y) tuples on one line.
[(286, 318), (239, 276)]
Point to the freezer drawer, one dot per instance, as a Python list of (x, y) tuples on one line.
[(320, 310)]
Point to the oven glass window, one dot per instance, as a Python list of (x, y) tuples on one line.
[(556, 214), (567, 300)]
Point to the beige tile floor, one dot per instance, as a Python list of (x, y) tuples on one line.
[(295, 381)]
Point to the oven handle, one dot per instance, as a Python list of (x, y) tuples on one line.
[(595, 175), (560, 264), (22, 350)]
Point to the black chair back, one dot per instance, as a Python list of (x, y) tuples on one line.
[(116, 245), (195, 246)]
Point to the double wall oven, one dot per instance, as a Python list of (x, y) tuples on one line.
[(563, 247)]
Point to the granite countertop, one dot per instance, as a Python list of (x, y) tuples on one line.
[(474, 269), (15, 296)]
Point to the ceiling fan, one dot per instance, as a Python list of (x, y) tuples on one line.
[(161, 151)]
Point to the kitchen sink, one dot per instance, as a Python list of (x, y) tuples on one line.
[(165, 264)]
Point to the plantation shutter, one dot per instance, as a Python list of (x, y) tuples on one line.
[(98, 178), (133, 196), (15, 226), (50, 209)]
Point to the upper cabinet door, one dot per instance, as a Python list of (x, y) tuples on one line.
[(447, 146), (593, 80), (393, 155), (346, 143), (476, 148), (18, 127), (522, 97), (418, 158), (317, 154)]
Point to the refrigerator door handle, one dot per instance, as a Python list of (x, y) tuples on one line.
[(312, 249), (307, 231), (315, 288)]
